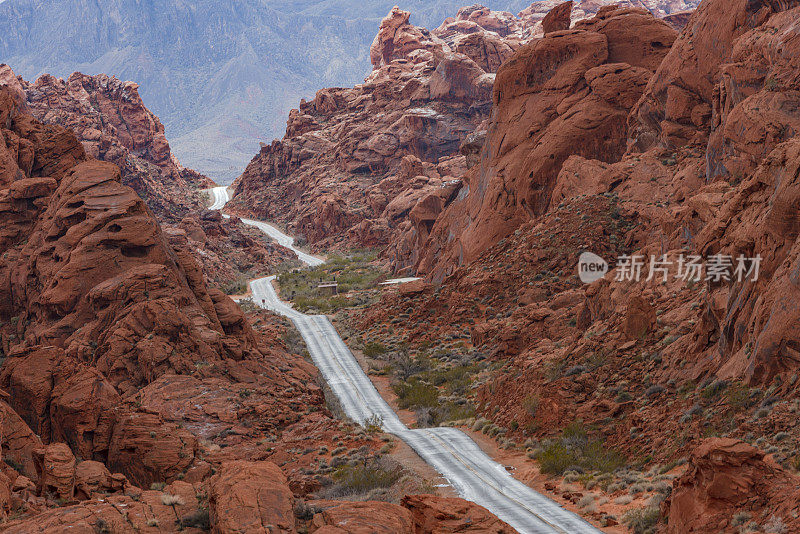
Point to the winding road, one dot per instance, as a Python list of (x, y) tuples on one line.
[(473, 474)]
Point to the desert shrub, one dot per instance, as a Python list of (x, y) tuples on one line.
[(714, 389), (453, 411), (654, 390), (198, 519), (247, 305), (304, 511), (416, 394), (740, 518), (531, 405), (576, 449), (363, 478), (738, 396), (237, 287), (374, 424), (643, 520), (374, 348), (556, 458)]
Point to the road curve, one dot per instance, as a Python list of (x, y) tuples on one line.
[(473, 474), (220, 198)]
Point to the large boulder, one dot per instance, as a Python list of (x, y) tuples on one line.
[(447, 515), (559, 18), (726, 476), (250, 498)]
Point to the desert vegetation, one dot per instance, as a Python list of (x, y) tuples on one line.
[(354, 272)]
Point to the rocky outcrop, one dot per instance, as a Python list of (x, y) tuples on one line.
[(334, 176), (559, 18), (113, 124), (678, 104), (97, 303), (123, 370), (534, 15), (705, 164), (229, 252), (250, 497), (576, 101), (727, 477), (446, 515)]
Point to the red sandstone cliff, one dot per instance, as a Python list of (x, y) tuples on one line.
[(113, 124)]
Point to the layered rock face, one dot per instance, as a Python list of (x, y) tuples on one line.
[(566, 94), (354, 161), (113, 124), (727, 477)]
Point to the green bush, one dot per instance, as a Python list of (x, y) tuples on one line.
[(416, 394), (575, 449), (643, 520), (556, 458), (374, 348), (362, 478), (452, 411), (353, 272)]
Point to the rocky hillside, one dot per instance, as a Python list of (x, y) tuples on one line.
[(113, 124), (573, 92), (221, 75), (135, 398), (622, 137), (361, 166), (354, 160)]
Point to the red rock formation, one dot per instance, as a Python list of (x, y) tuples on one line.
[(534, 15), (249, 496), (377, 517), (445, 515), (727, 477), (575, 103), (340, 166), (711, 166), (113, 124), (228, 251), (333, 176), (559, 18), (132, 371), (679, 100), (88, 273)]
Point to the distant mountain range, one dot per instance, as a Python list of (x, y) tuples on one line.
[(222, 76)]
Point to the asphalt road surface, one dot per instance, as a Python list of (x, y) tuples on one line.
[(473, 474)]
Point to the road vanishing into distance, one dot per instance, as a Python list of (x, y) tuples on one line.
[(471, 472)]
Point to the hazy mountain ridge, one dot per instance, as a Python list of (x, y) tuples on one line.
[(221, 76)]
